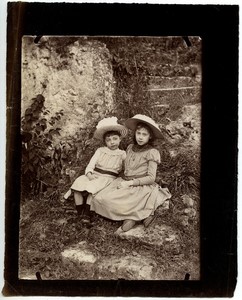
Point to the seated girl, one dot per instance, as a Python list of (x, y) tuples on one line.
[(103, 167)]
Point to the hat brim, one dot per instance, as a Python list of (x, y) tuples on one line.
[(132, 124), (99, 133)]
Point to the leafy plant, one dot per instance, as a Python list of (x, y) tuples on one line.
[(181, 173), (41, 159)]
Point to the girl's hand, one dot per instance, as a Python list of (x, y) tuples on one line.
[(124, 184), (91, 176)]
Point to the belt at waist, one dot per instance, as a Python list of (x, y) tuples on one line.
[(133, 177), (105, 172)]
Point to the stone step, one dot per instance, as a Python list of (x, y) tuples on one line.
[(179, 90), (173, 97), (173, 82)]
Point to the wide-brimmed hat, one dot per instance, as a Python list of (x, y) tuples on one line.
[(132, 123), (109, 124)]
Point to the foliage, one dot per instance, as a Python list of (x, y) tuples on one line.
[(131, 97), (181, 172), (136, 60), (41, 158)]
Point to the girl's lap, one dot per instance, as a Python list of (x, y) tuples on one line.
[(82, 183), (134, 203), (133, 195)]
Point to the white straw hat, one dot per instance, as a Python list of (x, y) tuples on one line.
[(132, 123), (109, 124)]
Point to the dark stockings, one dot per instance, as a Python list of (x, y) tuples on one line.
[(84, 209)]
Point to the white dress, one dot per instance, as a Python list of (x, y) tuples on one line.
[(106, 164)]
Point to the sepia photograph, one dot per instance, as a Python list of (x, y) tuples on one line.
[(110, 170), (121, 150)]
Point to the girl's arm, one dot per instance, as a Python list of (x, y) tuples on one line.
[(150, 177), (92, 163)]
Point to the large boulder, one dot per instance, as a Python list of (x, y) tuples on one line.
[(73, 74)]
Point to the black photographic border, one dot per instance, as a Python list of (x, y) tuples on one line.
[(217, 25)]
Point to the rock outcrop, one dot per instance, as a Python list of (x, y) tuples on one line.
[(73, 75)]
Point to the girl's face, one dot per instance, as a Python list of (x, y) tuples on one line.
[(112, 141), (142, 136)]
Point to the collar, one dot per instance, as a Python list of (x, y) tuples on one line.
[(138, 148)]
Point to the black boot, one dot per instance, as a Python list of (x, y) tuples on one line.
[(86, 214), (79, 209)]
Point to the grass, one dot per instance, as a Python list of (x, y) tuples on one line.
[(47, 228)]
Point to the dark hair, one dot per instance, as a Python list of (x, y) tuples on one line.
[(147, 127), (110, 133)]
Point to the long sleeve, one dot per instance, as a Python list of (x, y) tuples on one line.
[(90, 167), (123, 161), (150, 177)]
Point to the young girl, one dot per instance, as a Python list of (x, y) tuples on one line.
[(136, 196), (103, 167)]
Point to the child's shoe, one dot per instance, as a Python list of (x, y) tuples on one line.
[(128, 224), (148, 221), (80, 209), (85, 219), (67, 194)]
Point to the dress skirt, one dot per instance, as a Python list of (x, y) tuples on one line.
[(134, 202), (82, 183)]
